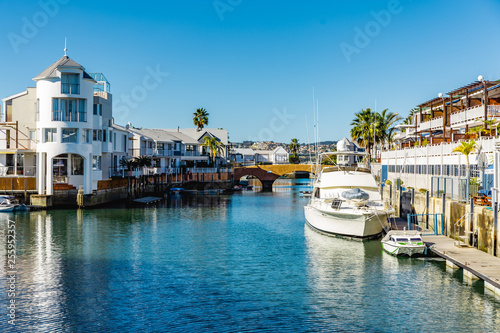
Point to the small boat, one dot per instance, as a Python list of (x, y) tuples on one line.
[(403, 242), (306, 193), (9, 204), (237, 188), (176, 190)]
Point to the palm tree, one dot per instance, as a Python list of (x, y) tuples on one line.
[(409, 119), (214, 145), (200, 118), (144, 161), (363, 126), (385, 125), (294, 149), (127, 163), (477, 131), (466, 147)]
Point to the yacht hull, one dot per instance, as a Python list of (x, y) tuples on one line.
[(345, 224)]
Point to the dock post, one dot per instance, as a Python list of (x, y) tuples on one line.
[(495, 217), (390, 194), (444, 209), (471, 226), (427, 210)]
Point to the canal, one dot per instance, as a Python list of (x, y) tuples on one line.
[(244, 262)]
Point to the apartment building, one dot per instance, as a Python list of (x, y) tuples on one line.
[(423, 156), (60, 131)]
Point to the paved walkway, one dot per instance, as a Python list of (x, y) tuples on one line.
[(479, 263)]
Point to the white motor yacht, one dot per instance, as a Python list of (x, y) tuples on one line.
[(346, 201)]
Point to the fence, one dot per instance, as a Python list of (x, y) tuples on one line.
[(453, 187), (427, 224)]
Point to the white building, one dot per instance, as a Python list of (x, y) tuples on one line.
[(346, 145), (248, 156), (424, 157), (172, 149), (61, 131)]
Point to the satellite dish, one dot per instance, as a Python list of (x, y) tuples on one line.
[(482, 161)]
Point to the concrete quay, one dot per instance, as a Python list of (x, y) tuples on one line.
[(476, 264)]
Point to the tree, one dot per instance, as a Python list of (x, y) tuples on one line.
[(466, 147), (200, 118), (477, 131), (363, 126), (294, 150), (385, 125), (409, 119), (214, 145), (144, 161), (127, 163)]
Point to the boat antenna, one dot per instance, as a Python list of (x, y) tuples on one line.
[(308, 145), (374, 131)]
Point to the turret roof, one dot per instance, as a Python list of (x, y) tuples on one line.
[(65, 61)]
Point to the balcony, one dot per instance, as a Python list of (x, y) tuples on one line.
[(436, 123), (190, 153), (470, 115), (163, 152), (29, 171)]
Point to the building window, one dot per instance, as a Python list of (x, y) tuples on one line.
[(32, 135), (82, 113), (97, 135), (114, 141), (110, 136), (70, 84), (49, 134), (68, 110), (124, 143), (104, 132), (96, 162), (76, 165), (37, 110), (98, 109), (69, 135), (87, 138)]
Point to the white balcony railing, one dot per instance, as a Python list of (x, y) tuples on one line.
[(467, 116), (424, 126), (19, 171), (437, 123)]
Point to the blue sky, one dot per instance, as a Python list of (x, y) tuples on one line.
[(252, 63)]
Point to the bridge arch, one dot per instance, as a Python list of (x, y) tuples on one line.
[(267, 174), (267, 178)]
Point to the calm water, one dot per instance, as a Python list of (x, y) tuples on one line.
[(224, 264)]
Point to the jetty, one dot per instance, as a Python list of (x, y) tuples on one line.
[(147, 200), (476, 264)]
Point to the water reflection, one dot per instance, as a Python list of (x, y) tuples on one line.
[(364, 288), (244, 262)]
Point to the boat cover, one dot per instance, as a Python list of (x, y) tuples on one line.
[(355, 193)]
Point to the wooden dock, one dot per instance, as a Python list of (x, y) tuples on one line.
[(147, 200), (476, 264)]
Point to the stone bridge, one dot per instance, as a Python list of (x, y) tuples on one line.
[(267, 174)]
